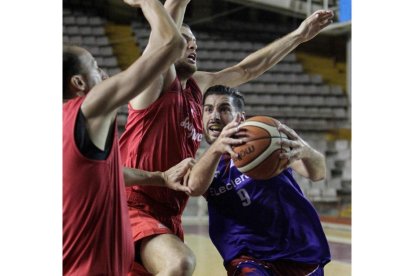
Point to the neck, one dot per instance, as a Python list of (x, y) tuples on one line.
[(183, 80)]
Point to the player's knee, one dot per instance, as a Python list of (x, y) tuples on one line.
[(184, 265)]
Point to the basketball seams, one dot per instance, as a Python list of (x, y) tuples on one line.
[(272, 130), (273, 146), (259, 159), (262, 130)]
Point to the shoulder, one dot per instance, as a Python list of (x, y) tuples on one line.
[(72, 106)]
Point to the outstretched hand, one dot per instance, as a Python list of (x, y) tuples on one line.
[(173, 177), (299, 148), (225, 141), (316, 22)]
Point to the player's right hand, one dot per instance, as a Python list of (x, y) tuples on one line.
[(227, 138)]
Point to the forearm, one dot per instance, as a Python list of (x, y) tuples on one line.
[(163, 28), (203, 171), (140, 177), (315, 165), (260, 61), (176, 9)]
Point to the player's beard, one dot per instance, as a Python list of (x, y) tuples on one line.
[(184, 69), (210, 140)]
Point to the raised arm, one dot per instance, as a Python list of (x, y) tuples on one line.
[(202, 173), (260, 61), (171, 178), (304, 159), (107, 96), (175, 8), (102, 101)]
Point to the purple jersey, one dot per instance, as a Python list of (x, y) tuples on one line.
[(266, 219)]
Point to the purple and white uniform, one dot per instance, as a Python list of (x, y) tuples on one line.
[(268, 220)]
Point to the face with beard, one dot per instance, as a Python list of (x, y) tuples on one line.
[(186, 66), (218, 111)]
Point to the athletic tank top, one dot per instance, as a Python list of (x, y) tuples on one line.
[(97, 238), (265, 219), (157, 138)]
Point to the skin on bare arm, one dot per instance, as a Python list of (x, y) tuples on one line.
[(176, 9), (171, 178), (260, 61), (304, 159), (104, 98)]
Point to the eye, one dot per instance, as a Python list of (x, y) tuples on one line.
[(225, 109), (208, 109)]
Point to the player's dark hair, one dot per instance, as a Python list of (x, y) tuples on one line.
[(238, 98), (71, 66)]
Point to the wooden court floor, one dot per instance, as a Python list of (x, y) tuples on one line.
[(209, 262)]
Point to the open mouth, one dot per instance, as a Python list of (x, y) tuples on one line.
[(215, 129), (192, 58)]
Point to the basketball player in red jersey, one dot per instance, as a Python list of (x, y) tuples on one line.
[(165, 125), (97, 237)]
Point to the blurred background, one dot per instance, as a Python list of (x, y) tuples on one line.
[(309, 90)]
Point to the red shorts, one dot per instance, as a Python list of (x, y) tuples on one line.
[(145, 224), (244, 265)]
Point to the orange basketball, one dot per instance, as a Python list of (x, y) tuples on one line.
[(259, 156)]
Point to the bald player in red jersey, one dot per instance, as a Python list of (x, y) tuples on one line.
[(165, 125), (97, 238)]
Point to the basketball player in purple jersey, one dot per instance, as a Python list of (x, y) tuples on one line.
[(262, 227)]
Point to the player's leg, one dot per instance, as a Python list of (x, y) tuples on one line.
[(166, 254)]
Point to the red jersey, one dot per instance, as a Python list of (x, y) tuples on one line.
[(159, 137), (96, 230)]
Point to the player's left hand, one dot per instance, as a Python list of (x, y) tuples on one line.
[(173, 177), (316, 22), (299, 148)]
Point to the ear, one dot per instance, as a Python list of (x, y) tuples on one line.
[(78, 84)]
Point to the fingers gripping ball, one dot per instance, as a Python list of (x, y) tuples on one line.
[(259, 158)]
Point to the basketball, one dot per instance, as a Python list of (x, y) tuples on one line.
[(258, 158)]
